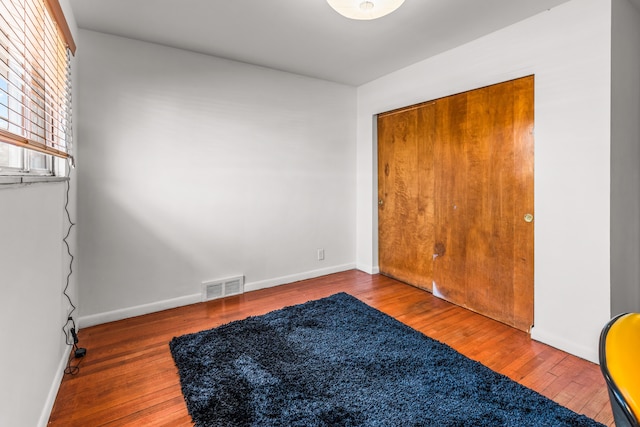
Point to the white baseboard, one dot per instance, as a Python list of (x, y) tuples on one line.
[(55, 386), (368, 268), (124, 313), (549, 338), (269, 283)]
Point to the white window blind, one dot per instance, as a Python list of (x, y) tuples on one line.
[(35, 80)]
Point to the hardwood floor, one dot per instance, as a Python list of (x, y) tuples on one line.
[(128, 376)]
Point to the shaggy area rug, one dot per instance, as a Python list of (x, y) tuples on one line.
[(338, 362)]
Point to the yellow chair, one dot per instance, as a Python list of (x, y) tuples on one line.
[(620, 365)]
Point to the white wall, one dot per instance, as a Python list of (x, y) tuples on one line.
[(196, 168), (568, 50), (33, 269), (32, 306), (625, 158)]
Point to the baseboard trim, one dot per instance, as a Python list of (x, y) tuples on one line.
[(139, 310), (269, 283), (125, 313), (55, 386), (549, 338), (368, 268)]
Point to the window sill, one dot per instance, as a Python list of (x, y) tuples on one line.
[(19, 180)]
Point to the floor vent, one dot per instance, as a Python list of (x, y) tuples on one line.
[(222, 288)]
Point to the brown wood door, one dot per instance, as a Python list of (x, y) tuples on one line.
[(455, 181), (406, 196)]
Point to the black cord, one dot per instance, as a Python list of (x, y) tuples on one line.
[(69, 328), (72, 369), (66, 242)]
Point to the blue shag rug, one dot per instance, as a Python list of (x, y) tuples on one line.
[(338, 362)]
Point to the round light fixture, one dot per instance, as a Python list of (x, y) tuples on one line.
[(364, 9)]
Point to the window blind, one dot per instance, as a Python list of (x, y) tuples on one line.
[(35, 76)]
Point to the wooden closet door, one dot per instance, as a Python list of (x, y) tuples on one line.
[(523, 176), (451, 186), (480, 174), (406, 195)]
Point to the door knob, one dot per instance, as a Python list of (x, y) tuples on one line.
[(528, 217), (380, 202)]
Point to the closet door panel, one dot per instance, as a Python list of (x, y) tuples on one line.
[(451, 187), (523, 249), (490, 199), (405, 196)]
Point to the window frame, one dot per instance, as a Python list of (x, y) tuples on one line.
[(27, 165), (54, 157)]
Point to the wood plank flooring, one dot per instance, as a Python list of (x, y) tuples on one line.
[(128, 377)]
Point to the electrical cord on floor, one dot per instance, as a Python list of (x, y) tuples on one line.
[(72, 369), (76, 352)]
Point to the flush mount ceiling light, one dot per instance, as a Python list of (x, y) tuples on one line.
[(364, 9)]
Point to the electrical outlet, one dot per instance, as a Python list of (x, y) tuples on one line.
[(320, 254)]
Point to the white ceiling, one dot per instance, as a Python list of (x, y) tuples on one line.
[(306, 36)]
